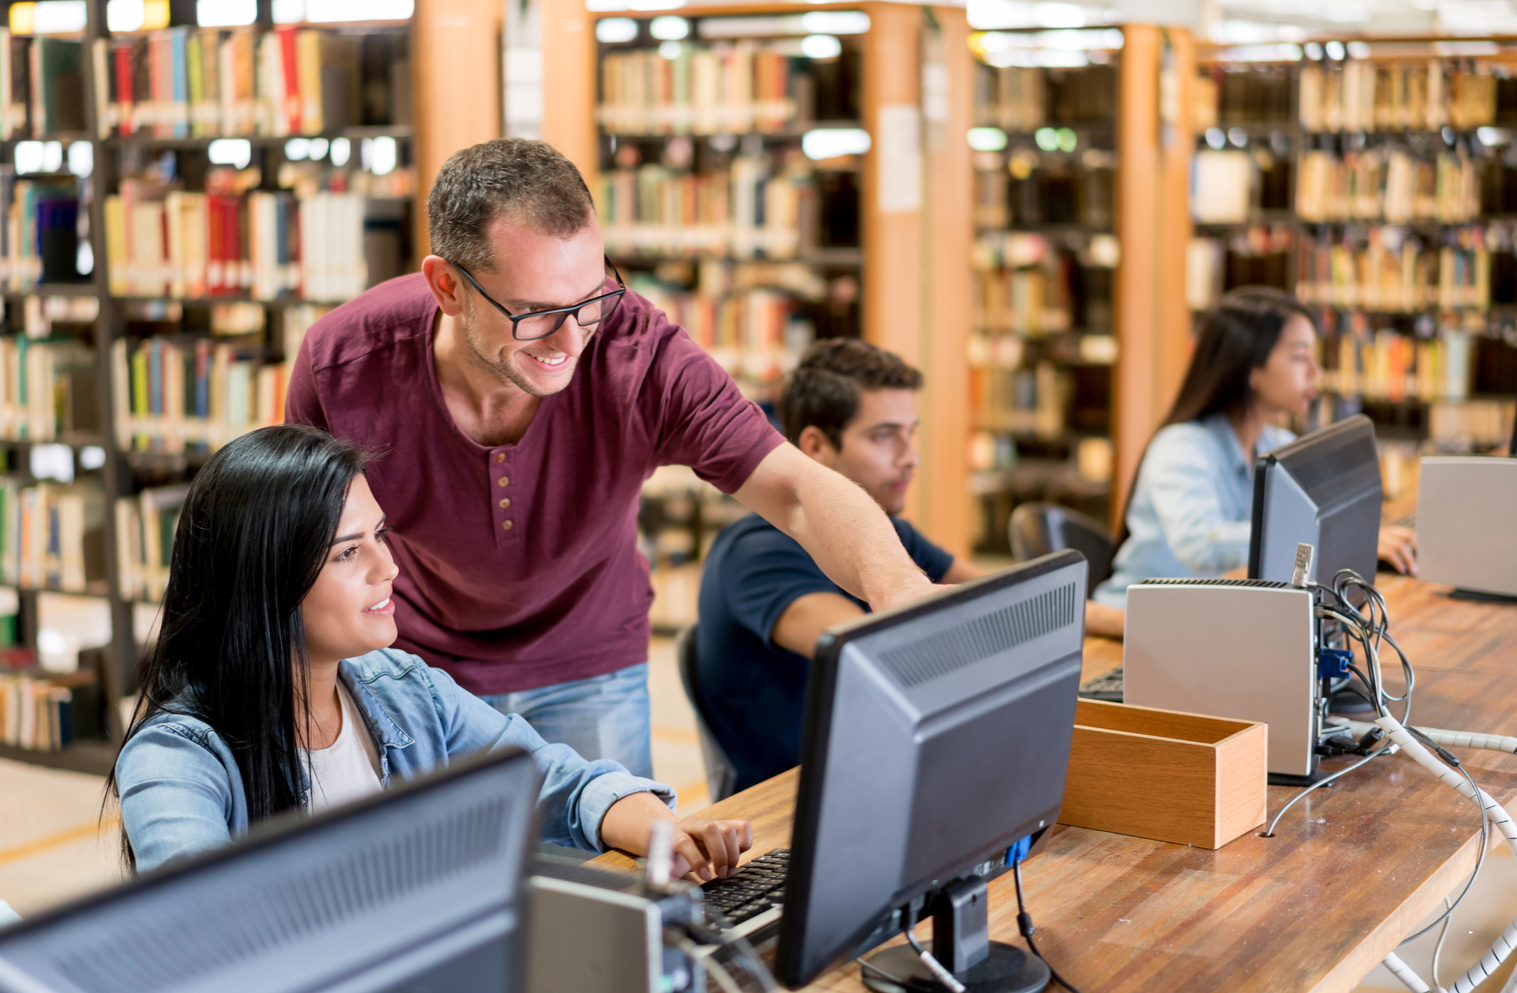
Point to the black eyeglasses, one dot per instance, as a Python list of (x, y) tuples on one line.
[(537, 324)]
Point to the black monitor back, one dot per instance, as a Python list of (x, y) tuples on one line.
[(417, 888), (1322, 489), (936, 736)]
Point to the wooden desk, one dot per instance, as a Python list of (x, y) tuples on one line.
[(1352, 870)]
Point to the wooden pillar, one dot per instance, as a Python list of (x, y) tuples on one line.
[(917, 231), (455, 58), (944, 503), (570, 82), (1154, 143)]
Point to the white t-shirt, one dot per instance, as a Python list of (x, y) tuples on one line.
[(348, 769)]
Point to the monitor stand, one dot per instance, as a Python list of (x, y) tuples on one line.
[(961, 942)]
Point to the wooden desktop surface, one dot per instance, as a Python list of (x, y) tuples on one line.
[(1351, 872)]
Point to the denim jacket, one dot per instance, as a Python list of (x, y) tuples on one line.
[(1191, 510), (181, 791)]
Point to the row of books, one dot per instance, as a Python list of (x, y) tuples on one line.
[(1378, 274), (1052, 193), (1387, 184), (41, 86), (145, 540), (1259, 94), (1032, 401), (1388, 365), (52, 536), (1014, 98), (46, 711), (1473, 425), (726, 88), (1413, 96), (756, 334), (753, 208), (265, 243), (49, 390), (39, 237), (178, 394), (187, 82)]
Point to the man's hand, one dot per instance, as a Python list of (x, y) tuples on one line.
[(703, 849), (1398, 546)]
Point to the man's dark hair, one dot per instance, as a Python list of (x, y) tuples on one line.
[(823, 392), (528, 181)]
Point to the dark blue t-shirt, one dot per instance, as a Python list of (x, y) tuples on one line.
[(754, 691)]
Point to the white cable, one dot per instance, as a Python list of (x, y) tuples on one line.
[(1404, 972), (935, 967), (1454, 739), (1506, 942)]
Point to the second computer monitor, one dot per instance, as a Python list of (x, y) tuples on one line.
[(1322, 489), (936, 736), (417, 888)]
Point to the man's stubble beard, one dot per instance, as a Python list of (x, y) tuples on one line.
[(503, 372)]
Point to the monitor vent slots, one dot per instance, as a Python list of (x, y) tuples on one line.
[(163, 953), (990, 634), (1259, 584)]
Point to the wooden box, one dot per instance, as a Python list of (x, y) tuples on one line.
[(1165, 775)]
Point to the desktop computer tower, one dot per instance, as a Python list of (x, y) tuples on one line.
[(1239, 648)]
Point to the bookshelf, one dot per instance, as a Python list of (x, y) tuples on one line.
[(1073, 351), (1374, 187), (163, 253)]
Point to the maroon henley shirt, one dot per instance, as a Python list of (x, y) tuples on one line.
[(519, 564)]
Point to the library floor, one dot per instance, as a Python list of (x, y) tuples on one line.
[(52, 846)]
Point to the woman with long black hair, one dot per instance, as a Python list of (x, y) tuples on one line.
[(271, 687), (1190, 509)]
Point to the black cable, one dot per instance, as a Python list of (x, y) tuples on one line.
[(1024, 924)]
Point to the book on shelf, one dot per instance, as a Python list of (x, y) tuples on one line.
[(47, 711), (56, 86), (184, 82), (52, 536), (1368, 96), (753, 208), (145, 540), (1021, 400), (1026, 284), (266, 244), (39, 240), (49, 390), (721, 88)]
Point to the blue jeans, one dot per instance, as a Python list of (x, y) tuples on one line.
[(603, 717)]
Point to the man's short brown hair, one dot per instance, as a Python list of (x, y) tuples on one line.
[(528, 181), (823, 392)]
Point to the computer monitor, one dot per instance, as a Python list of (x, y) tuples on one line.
[(1322, 489), (416, 888), (936, 736)]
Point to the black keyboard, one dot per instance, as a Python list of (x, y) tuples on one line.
[(753, 889), (1107, 686)]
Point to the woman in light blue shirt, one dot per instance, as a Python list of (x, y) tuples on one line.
[(1190, 509), (271, 687)]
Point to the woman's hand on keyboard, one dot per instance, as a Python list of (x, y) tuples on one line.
[(705, 849)]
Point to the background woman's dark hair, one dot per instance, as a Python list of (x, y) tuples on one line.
[(1236, 338), (251, 540), (823, 391)]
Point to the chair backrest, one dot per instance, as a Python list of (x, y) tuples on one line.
[(1040, 528), (721, 774)]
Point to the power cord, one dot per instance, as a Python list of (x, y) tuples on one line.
[(1024, 924)]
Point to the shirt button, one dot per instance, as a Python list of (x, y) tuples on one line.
[(504, 481), (500, 457), (505, 502), (505, 525)]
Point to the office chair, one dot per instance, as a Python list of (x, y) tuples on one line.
[(1040, 528), (721, 775)]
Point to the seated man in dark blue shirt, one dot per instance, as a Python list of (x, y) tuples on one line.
[(763, 601)]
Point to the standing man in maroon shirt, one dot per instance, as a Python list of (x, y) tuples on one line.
[(520, 395)]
